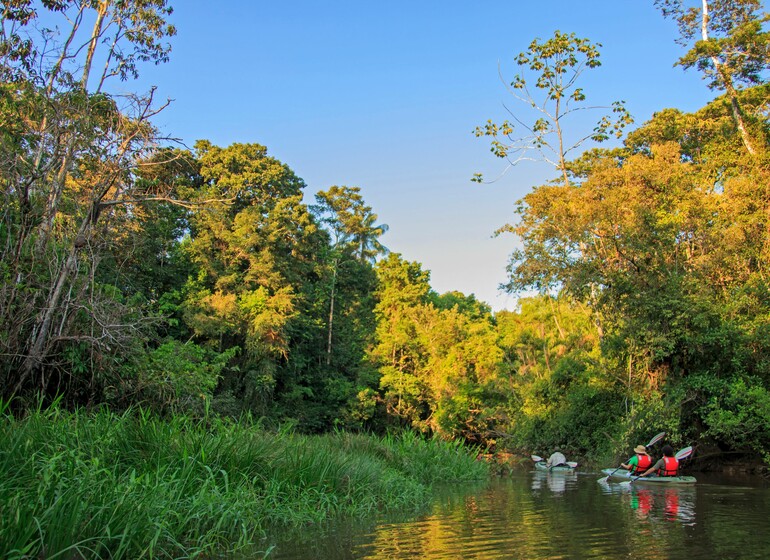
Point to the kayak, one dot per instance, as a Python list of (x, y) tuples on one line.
[(620, 475), (542, 466)]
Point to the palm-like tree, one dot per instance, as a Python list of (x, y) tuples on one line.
[(354, 232)]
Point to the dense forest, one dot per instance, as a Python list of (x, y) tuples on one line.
[(136, 273)]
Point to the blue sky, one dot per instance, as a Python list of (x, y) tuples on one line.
[(385, 96)]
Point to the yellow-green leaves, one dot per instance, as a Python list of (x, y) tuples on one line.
[(548, 88)]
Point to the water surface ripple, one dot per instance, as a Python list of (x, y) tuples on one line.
[(534, 515)]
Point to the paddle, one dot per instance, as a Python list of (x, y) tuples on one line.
[(681, 455), (537, 459), (652, 442)]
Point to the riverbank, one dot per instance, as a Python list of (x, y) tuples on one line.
[(131, 485)]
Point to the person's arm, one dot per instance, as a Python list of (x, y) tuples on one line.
[(632, 462), (658, 465)]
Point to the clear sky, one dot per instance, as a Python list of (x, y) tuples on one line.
[(385, 96)]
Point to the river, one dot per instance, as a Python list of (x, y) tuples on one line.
[(535, 515)]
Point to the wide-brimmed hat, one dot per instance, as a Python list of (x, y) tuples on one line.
[(640, 449)]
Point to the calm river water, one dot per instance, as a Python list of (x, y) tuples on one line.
[(534, 515)]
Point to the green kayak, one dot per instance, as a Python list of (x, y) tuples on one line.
[(620, 475)]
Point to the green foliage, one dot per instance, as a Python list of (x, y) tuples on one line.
[(590, 414), (351, 223), (178, 377), (472, 412), (556, 64), (733, 47), (255, 248), (69, 152), (740, 415), (467, 305), (129, 486), (577, 419), (562, 394), (434, 359)]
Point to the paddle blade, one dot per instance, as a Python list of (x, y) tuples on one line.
[(683, 453), (536, 458), (656, 439), (572, 464)]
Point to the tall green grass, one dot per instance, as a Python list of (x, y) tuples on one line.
[(105, 485)]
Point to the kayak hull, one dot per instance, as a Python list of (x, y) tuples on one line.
[(621, 475), (541, 466)]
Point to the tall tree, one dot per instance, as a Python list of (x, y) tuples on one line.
[(403, 288), (554, 94), (254, 251), (68, 165), (354, 234), (728, 44)]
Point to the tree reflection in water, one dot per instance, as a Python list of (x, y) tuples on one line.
[(539, 515)]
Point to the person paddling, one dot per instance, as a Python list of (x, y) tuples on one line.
[(640, 462), (557, 458), (668, 465)]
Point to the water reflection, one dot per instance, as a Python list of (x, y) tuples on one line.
[(674, 503), (539, 515), (555, 481)]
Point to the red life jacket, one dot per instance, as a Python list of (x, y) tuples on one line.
[(643, 462), (670, 467)]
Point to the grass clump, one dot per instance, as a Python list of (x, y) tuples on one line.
[(103, 485)]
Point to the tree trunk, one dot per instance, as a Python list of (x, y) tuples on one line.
[(57, 189), (728, 83), (331, 314), (39, 339), (95, 34)]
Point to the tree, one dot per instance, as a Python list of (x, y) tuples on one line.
[(254, 250), (67, 165), (403, 288), (732, 49), (558, 63), (558, 389), (672, 234), (354, 236), (437, 355), (624, 240), (147, 256)]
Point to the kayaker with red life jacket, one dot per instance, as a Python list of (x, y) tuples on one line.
[(640, 462), (668, 465)]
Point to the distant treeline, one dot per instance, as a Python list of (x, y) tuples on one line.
[(184, 281)]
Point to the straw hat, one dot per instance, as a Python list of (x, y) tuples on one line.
[(640, 449)]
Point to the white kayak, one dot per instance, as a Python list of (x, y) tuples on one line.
[(543, 466)]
